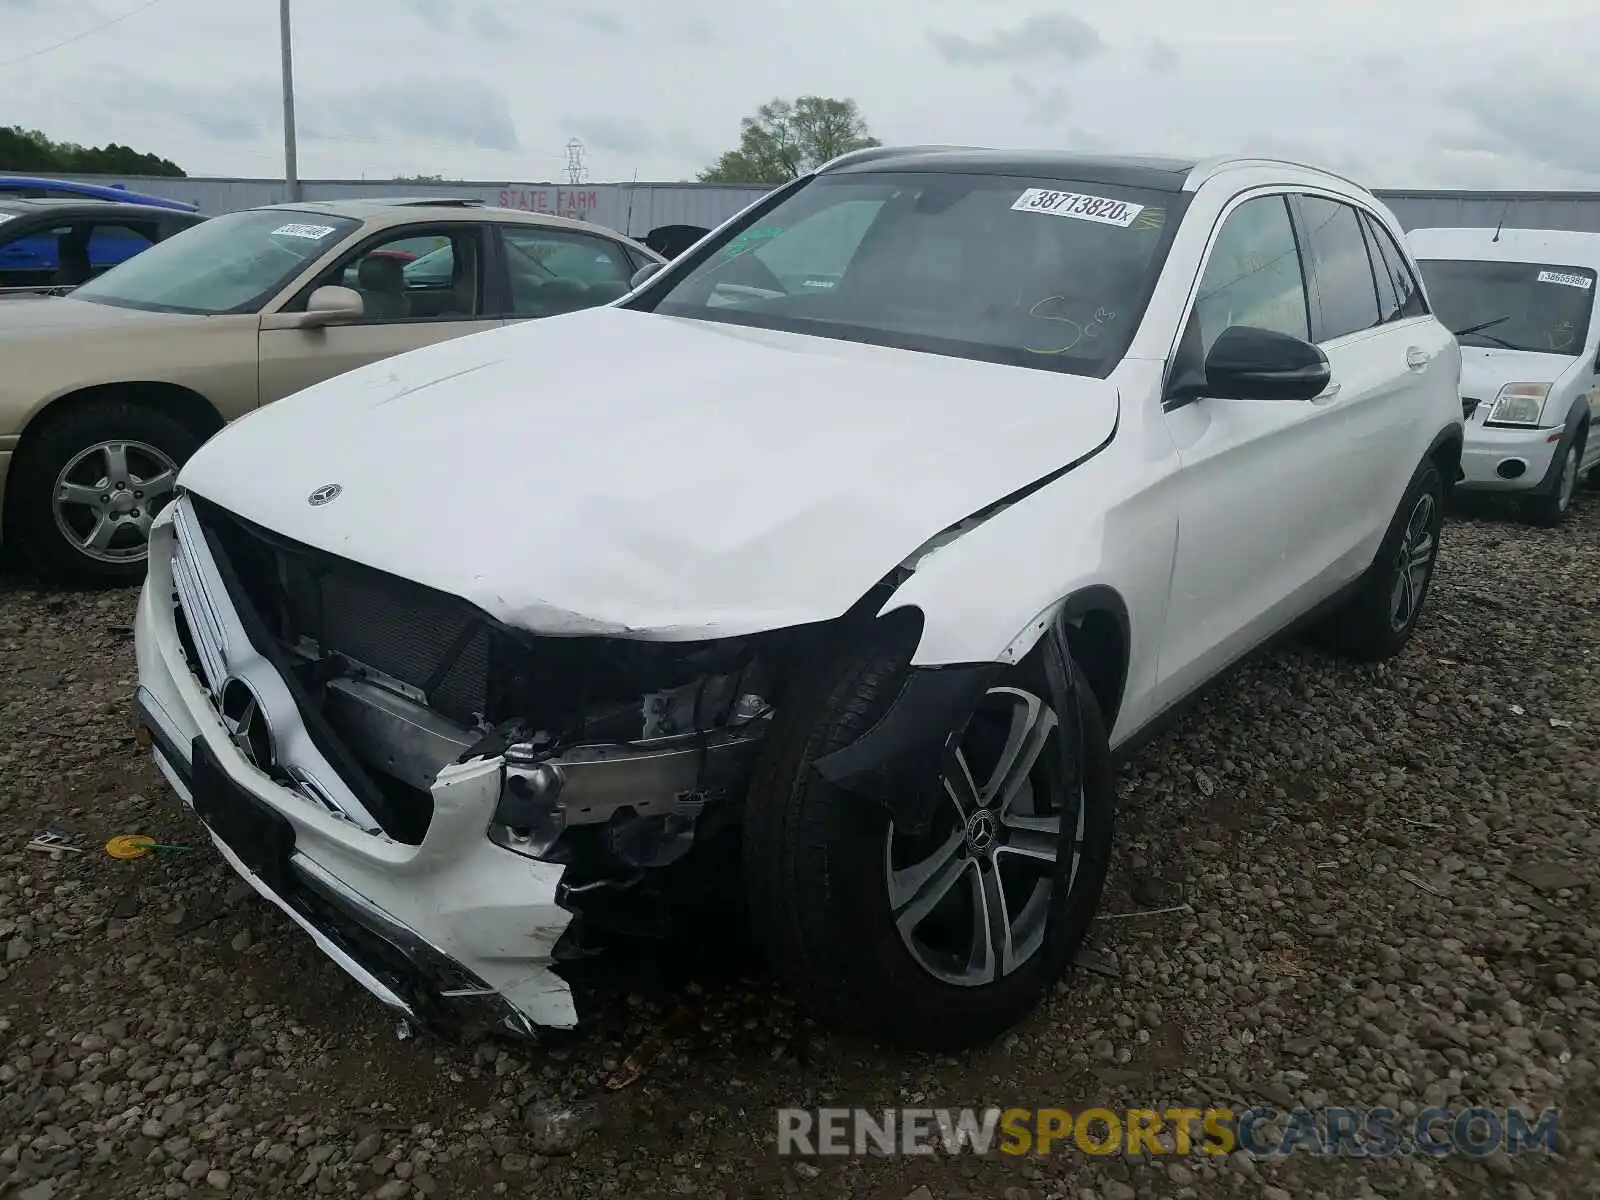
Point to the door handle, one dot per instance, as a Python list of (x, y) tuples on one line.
[(1417, 358)]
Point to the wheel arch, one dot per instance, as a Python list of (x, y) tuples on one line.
[(185, 404), (1446, 455), (1083, 637)]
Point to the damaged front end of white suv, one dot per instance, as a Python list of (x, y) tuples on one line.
[(452, 808)]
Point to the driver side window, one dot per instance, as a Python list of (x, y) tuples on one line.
[(1254, 275), (409, 277)]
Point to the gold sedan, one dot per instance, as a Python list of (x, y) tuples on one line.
[(105, 392)]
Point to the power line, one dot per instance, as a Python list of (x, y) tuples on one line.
[(78, 37)]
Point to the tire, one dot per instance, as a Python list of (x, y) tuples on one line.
[(1373, 626), (71, 450), (1548, 509), (817, 868)]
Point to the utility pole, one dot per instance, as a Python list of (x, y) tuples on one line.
[(291, 170)]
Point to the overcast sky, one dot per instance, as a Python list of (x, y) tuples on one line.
[(1425, 93)]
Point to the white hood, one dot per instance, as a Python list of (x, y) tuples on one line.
[(626, 473), (1486, 369)]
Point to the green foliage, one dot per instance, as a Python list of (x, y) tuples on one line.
[(29, 152), (785, 139)]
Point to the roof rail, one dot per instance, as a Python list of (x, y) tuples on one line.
[(1209, 168), (870, 153)]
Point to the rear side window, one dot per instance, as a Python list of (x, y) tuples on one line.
[(1397, 286), (1346, 288)]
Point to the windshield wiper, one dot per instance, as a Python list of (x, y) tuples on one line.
[(1480, 326)]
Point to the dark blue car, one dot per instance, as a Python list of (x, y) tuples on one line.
[(60, 243), (66, 189)]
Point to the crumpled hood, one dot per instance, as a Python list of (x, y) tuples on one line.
[(618, 472), (1485, 370)]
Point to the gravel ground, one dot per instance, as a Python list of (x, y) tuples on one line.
[(1351, 844)]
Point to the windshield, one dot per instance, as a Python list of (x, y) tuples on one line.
[(1515, 306), (1039, 273), (229, 264)]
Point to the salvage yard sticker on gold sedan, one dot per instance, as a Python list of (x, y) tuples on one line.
[(1076, 204)]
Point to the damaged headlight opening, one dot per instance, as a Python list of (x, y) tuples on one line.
[(611, 749)]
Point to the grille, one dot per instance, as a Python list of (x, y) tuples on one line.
[(1469, 405), (425, 639)]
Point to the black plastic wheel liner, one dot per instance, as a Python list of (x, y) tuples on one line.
[(900, 761)]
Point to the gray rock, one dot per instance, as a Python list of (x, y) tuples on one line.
[(558, 1128)]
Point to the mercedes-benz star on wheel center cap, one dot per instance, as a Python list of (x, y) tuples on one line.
[(849, 540), (1522, 302)]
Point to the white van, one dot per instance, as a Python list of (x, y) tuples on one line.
[(1521, 303)]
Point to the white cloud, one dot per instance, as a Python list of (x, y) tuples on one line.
[(1399, 95)]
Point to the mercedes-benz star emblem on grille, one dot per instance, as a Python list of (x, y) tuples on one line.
[(325, 493), (246, 723)]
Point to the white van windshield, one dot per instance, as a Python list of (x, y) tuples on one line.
[(1542, 307)]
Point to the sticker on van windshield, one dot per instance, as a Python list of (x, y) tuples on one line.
[(313, 233), (1078, 206), (1577, 281)]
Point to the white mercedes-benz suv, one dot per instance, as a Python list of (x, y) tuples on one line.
[(862, 538)]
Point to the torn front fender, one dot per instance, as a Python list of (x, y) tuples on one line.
[(899, 762)]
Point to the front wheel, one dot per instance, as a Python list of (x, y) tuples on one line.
[(944, 939), (1550, 508), (87, 484)]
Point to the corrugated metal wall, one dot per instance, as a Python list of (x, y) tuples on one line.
[(631, 208), (1520, 210), (637, 208)]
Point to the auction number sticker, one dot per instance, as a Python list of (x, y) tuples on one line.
[(1079, 206), (1577, 281), (313, 233)]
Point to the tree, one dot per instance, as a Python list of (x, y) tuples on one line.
[(785, 139), (28, 151)]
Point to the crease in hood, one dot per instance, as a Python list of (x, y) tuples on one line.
[(615, 472)]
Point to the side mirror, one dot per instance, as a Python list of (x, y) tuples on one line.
[(644, 273), (333, 306), (1246, 363), (327, 305)]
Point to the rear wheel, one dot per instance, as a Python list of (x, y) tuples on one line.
[(87, 484), (945, 938), (1380, 619)]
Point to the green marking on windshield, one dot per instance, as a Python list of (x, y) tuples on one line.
[(751, 238)]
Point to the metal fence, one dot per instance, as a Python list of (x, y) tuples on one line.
[(637, 208)]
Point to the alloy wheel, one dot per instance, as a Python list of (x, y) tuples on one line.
[(971, 898), (1414, 564), (108, 494)]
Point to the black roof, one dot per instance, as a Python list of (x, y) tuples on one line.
[(73, 206), (1127, 170)]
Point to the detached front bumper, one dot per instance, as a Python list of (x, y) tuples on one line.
[(1506, 460), (456, 930)]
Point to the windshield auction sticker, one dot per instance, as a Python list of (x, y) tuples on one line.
[(314, 233), (1577, 281), (1078, 206)]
